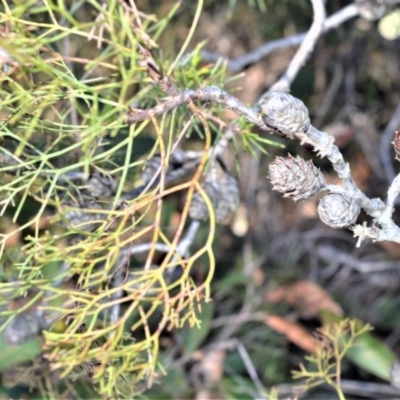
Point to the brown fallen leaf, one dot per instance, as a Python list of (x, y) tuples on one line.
[(294, 332), (306, 296)]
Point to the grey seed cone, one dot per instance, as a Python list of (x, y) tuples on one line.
[(295, 177), (284, 114), (337, 211)]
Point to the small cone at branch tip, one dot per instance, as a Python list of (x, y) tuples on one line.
[(284, 114), (337, 211), (295, 177)]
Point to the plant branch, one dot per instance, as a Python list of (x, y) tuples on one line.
[(282, 122), (306, 48), (208, 94), (240, 63)]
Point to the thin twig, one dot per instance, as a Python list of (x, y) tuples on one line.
[(321, 141), (119, 276), (305, 49), (329, 253), (182, 250), (250, 368), (363, 127), (208, 94), (117, 282), (237, 319), (184, 245), (329, 94), (238, 64)]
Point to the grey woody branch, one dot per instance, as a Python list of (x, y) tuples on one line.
[(209, 94), (238, 64), (305, 49), (287, 116), (365, 8), (281, 113), (340, 208)]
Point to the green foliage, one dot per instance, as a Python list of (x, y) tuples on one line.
[(367, 351), (63, 96), (74, 71), (335, 341)]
